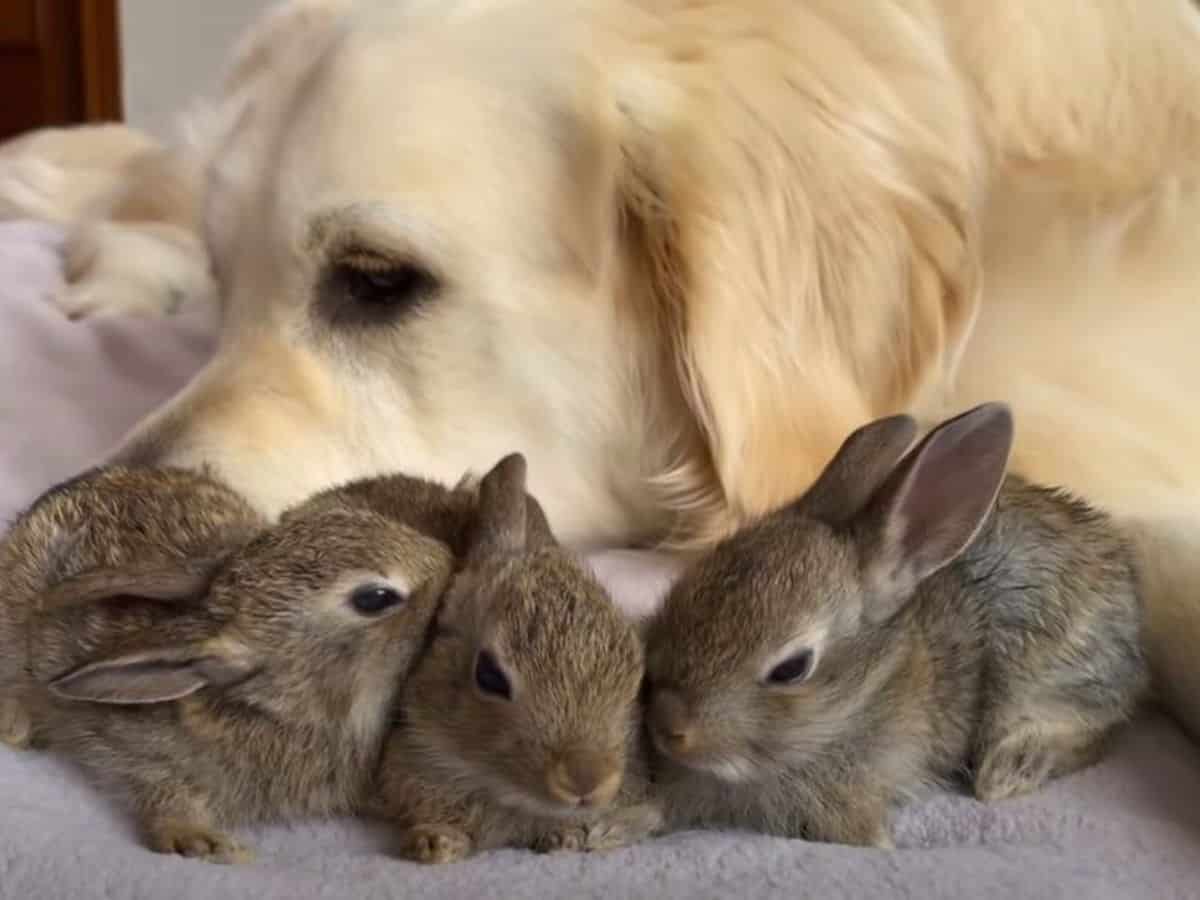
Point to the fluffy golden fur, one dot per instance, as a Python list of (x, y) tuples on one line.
[(683, 248)]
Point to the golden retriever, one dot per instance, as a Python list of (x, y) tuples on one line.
[(675, 250)]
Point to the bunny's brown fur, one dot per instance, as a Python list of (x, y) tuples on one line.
[(259, 692), (551, 761), (889, 630), (431, 508), (448, 514), (102, 519)]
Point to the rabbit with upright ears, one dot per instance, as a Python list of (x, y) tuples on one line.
[(520, 723), (897, 626), (261, 685)]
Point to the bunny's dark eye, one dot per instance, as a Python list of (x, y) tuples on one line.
[(489, 678), (373, 599), (792, 670), (645, 689)]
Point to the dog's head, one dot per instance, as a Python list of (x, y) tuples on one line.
[(673, 258)]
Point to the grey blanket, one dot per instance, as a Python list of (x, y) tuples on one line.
[(1128, 828)]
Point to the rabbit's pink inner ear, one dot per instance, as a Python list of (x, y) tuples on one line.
[(933, 506), (857, 470)]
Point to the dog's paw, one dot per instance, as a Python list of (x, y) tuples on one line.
[(112, 268), (32, 188), (436, 844), (93, 297), (196, 842)]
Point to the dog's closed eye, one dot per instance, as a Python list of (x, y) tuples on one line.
[(366, 289)]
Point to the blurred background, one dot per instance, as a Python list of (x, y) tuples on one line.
[(69, 61)]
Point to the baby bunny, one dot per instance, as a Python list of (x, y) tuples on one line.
[(520, 724), (263, 686), (171, 524), (897, 626)]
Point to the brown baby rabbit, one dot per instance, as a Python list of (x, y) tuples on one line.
[(520, 723), (895, 627), (173, 521), (266, 687), (446, 514)]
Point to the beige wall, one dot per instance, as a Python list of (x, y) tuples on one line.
[(172, 50)]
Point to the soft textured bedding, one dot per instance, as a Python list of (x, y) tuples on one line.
[(1128, 828)]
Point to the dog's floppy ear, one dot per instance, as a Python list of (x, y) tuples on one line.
[(807, 221)]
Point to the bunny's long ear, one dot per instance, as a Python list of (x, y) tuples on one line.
[(932, 505), (500, 526), (537, 527), (858, 469), (156, 676), (182, 582)]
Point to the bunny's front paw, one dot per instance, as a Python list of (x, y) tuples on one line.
[(436, 844), (883, 840), (197, 842), (1010, 775), (616, 829), (1024, 760), (625, 827), (16, 727), (566, 839), (858, 819)]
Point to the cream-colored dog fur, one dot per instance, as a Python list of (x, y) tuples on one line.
[(133, 244), (685, 247)]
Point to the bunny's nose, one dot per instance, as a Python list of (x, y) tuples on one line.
[(671, 723), (585, 779)]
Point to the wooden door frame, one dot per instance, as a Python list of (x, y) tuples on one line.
[(60, 63), (100, 32), (81, 43)]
